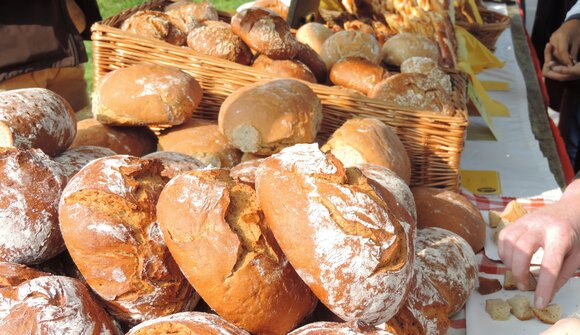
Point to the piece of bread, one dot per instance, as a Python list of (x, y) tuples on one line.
[(248, 156), (216, 39), (289, 68), (202, 140), (549, 315), (276, 6), (334, 328), (520, 307), (266, 32), (357, 73), (488, 286), (13, 274), (109, 224), (452, 211), (509, 282), (187, 323), (350, 43), (216, 232), (513, 211), (498, 309), (494, 218), (146, 95), (175, 163), (337, 231), (31, 185), (245, 172), (157, 25), (189, 11), (36, 118), (73, 160), (313, 34), (270, 115), (310, 58), (428, 67), (406, 45)]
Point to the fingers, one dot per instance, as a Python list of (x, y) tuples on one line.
[(554, 254), (569, 267), (507, 241), (561, 49), (523, 250), (574, 50), (548, 59)]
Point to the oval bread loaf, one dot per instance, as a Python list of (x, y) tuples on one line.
[(157, 25), (357, 73), (350, 43), (313, 34), (175, 163), (73, 160), (333, 328), (187, 323), (216, 39)]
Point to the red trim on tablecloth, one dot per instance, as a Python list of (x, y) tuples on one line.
[(489, 203), (458, 324)]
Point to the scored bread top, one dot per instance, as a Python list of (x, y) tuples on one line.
[(188, 323)]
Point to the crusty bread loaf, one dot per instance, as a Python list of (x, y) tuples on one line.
[(310, 58), (449, 262), (175, 163), (146, 95), (245, 172), (367, 140), (134, 141), (13, 274), (520, 307), (289, 68), (266, 32), (488, 286), (337, 232), (30, 188), (216, 39), (313, 34), (406, 45), (549, 315), (357, 73), (157, 25), (191, 12), (267, 116), (109, 224), (36, 118), (52, 305), (428, 67), (452, 211), (498, 309), (276, 6), (334, 328), (201, 140), (73, 160), (350, 43), (187, 323)]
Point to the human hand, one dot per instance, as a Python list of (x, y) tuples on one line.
[(556, 71), (566, 42), (567, 326)]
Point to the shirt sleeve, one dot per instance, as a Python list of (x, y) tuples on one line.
[(574, 12)]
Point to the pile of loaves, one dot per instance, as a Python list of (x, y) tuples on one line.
[(354, 59)]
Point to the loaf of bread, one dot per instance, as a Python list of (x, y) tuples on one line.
[(157, 25), (73, 160), (266, 32), (215, 38), (310, 58), (188, 11), (406, 45), (245, 172), (201, 140), (36, 118), (337, 231), (498, 309), (267, 116), (289, 68), (313, 34), (175, 163), (350, 43), (216, 232), (428, 67), (187, 323), (520, 307), (357, 73), (367, 140), (109, 224), (146, 95), (334, 328), (276, 6), (13, 274), (31, 185)]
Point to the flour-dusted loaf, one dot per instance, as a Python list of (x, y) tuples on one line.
[(287, 68), (14, 274), (334, 328), (216, 232), (109, 224), (428, 67), (313, 34), (187, 323), (215, 38), (357, 73), (73, 160), (350, 43), (246, 171), (175, 163), (406, 45), (192, 13), (157, 25), (337, 231), (36, 118)]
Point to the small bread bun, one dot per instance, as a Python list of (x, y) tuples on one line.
[(284, 68), (267, 116), (350, 43), (216, 39), (146, 95), (276, 6), (406, 45), (73, 160), (175, 163), (245, 172), (313, 34), (201, 140), (134, 141), (157, 25), (13, 274), (428, 67), (357, 73), (310, 58), (36, 118), (452, 211), (189, 11), (367, 140), (187, 323), (266, 32), (333, 328)]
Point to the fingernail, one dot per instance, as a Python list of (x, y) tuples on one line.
[(540, 303), (522, 287)]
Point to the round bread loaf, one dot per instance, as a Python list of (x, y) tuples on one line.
[(73, 160), (109, 224), (187, 323), (276, 6), (216, 39), (267, 116), (333, 328), (134, 141), (36, 118), (187, 10), (266, 32), (430, 68), (13, 274), (52, 305), (337, 232), (30, 188), (406, 45), (452, 211), (157, 25), (146, 95), (201, 140), (310, 58), (357, 73), (245, 172), (367, 140), (216, 232), (313, 34), (350, 43), (449, 263), (175, 163), (290, 68)]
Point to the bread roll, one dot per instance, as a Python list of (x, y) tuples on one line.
[(368, 140), (310, 58), (31, 185), (284, 68), (216, 231), (36, 118), (337, 231), (428, 67), (217, 39), (146, 95), (406, 45), (313, 34), (73, 160), (333, 328), (452, 211), (201, 11), (267, 116), (201, 140), (449, 263), (187, 323), (350, 43), (109, 224), (245, 172), (266, 32), (157, 25), (276, 6), (134, 141), (175, 163), (357, 73), (52, 305), (13, 274)]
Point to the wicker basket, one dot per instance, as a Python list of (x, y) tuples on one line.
[(434, 142), (488, 32)]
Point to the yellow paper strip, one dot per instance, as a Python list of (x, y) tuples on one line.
[(495, 85), (475, 11), (481, 182)]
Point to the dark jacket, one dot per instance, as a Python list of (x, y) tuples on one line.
[(39, 34)]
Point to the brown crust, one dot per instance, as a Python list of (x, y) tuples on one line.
[(175, 163), (217, 39), (274, 5), (357, 73), (310, 58), (74, 159), (157, 25), (350, 43), (245, 172), (406, 45), (188, 323), (289, 68), (12, 274), (202, 11), (313, 34), (333, 328), (488, 286)]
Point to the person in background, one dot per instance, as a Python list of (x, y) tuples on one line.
[(41, 45)]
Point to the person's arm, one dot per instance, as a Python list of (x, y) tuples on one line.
[(566, 40)]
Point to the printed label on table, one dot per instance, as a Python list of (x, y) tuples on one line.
[(481, 182)]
